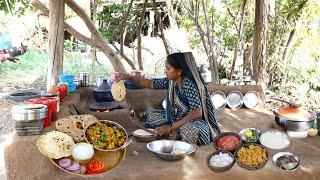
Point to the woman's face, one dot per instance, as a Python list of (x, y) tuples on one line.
[(171, 72)]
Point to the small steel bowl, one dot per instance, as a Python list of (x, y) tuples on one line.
[(243, 137), (171, 150), (110, 123), (220, 169)]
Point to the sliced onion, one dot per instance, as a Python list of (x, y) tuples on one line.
[(65, 162), (83, 169), (74, 166)]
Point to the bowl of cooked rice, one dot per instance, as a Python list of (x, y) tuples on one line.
[(251, 156)]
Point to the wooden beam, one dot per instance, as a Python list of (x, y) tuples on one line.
[(56, 42)]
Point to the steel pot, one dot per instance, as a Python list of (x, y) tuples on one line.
[(29, 112), (284, 118)]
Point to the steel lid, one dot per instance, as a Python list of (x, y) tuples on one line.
[(29, 108)]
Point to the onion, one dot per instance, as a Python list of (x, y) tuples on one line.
[(74, 166), (83, 169), (65, 162)]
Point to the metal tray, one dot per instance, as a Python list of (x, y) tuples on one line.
[(110, 159)]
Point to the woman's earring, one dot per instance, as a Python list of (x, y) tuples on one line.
[(179, 74)]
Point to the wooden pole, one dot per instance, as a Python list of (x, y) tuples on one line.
[(56, 41)]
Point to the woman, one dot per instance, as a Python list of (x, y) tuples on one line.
[(189, 113)]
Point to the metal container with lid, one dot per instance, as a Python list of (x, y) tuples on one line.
[(29, 112), (84, 78), (29, 118)]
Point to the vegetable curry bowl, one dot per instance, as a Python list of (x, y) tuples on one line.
[(106, 136)]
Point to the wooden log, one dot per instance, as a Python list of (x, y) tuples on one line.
[(56, 41)]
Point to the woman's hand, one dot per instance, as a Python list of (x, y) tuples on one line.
[(121, 76), (163, 130)]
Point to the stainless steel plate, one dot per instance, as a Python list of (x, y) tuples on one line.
[(286, 167)]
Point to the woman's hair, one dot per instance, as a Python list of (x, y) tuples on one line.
[(173, 60)]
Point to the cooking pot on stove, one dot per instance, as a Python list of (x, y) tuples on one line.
[(103, 92), (294, 118)]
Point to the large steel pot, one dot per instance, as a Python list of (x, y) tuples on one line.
[(294, 118), (29, 112)]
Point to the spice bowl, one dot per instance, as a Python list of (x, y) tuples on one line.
[(223, 168)]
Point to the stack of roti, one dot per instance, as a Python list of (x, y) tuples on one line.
[(75, 125), (55, 144), (118, 90)]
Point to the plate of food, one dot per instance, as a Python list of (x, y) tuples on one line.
[(251, 156), (286, 161), (250, 134), (99, 154), (275, 140), (227, 141), (220, 161)]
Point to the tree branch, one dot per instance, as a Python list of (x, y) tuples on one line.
[(139, 33), (160, 27), (96, 42), (84, 16)]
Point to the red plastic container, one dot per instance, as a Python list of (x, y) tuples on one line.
[(63, 90), (51, 103)]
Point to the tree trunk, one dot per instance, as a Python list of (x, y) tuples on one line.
[(123, 35), (139, 34), (160, 27), (56, 42), (236, 49), (171, 15), (93, 9), (259, 43), (247, 61)]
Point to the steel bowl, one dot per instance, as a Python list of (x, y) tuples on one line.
[(243, 137), (109, 123), (171, 150)]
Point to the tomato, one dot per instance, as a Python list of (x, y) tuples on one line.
[(95, 167), (228, 142)]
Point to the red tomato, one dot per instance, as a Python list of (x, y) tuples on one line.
[(95, 167)]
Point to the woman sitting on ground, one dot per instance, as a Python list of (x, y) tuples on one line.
[(190, 114)]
